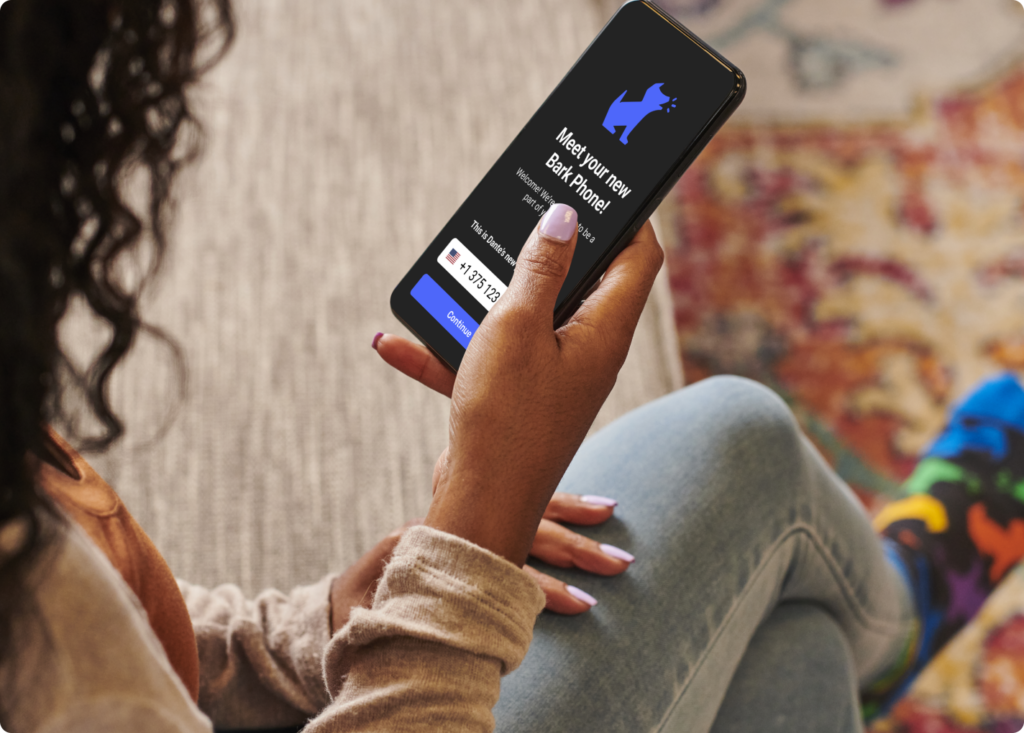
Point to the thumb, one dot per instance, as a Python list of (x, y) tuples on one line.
[(545, 258)]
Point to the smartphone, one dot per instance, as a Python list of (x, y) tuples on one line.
[(611, 141)]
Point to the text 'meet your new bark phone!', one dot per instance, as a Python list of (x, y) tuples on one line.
[(611, 140)]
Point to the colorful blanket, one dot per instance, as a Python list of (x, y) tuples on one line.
[(963, 513), (976, 683)]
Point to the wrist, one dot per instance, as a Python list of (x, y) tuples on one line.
[(480, 516)]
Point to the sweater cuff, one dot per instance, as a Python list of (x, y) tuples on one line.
[(309, 626), (442, 588)]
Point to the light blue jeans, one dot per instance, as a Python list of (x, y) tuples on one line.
[(760, 600)]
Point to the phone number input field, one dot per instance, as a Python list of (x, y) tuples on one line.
[(471, 273)]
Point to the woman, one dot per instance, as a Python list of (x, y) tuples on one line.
[(755, 557)]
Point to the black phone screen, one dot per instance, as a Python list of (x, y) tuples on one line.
[(615, 131)]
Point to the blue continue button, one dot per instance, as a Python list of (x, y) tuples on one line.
[(444, 310)]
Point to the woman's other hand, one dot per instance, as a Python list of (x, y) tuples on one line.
[(554, 544), (356, 586), (526, 393), (561, 547)]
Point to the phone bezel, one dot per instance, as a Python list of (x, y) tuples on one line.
[(646, 207)]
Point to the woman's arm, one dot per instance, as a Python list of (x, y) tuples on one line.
[(448, 620), (526, 393), (454, 611), (251, 663), (260, 659)]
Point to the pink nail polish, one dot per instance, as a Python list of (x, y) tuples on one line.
[(581, 595), (375, 340), (598, 500), (559, 223), (617, 553)]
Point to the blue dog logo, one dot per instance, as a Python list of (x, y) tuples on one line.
[(629, 114)]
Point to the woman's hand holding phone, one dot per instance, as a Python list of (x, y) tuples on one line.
[(526, 393)]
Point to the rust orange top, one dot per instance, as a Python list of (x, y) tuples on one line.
[(98, 510)]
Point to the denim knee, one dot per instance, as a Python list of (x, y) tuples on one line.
[(746, 412), (750, 428)]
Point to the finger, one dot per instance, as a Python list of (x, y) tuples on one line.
[(579, 509), (360, 579), (615, 305), (357, 585), (416, 361), (563, 548), (370, 567), (544, 261), (560, 596)]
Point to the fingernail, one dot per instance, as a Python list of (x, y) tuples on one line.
[(599, 500), (617, 553), (559, 222), (581, 595), (375, 340)]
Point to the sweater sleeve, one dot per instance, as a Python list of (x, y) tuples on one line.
[(260, 659), (448, 620)]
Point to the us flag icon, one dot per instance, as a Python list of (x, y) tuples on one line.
[(452, 256)]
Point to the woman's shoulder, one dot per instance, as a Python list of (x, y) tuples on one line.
[(83, 637), (70, 481), (95, 507)]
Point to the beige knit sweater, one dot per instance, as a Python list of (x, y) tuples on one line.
[(448, 619)]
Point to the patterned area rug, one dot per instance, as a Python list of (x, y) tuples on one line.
[(854, 238), (976, 683)]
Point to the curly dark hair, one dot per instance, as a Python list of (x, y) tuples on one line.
[(92, 92)]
